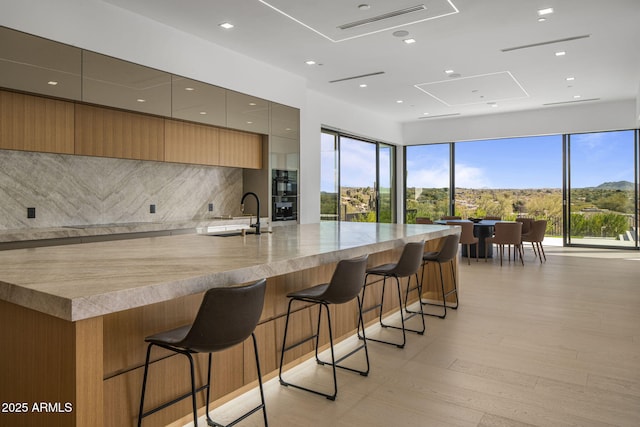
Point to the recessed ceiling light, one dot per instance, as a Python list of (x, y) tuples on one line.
[(409, 41), (203, 112), (363, 85), (570, 79), (561, 53), (399, 101), (253, 104), (141, 100), (364, 6), (542, 19), (52, 83), (448, 71), (189, 89), (310, 62), (547, 11), (425, 114), (577, 96), (249, 123), (226, 25)]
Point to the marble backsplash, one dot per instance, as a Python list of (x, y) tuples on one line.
[(71, 190)]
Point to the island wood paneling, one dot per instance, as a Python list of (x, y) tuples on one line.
[(64, 374), (240, 149), (106, 132), (191, 143), (33, 123)]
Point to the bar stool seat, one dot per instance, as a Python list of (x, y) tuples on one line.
[(407, 266), (345, 285), (226, 317)]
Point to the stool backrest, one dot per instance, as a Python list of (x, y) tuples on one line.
[(227, 316), (410, 259), (449, 248), (347, 280)]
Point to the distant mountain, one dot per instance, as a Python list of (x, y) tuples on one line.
[(618, 185)]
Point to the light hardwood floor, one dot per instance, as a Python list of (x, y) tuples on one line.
[(556, 344)]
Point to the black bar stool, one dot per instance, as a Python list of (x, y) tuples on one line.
[(345, 285), (227, 316), (407, 266), (446, 254)]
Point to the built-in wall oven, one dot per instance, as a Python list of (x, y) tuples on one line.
[(284, 191)]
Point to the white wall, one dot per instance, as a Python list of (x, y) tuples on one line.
[(576, 118)]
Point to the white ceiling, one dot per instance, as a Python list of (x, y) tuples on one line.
[(473, 38)]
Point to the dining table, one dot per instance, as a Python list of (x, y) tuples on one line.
[(481, 229)]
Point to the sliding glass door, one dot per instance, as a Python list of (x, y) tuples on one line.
[(601, 189), (357, 179)]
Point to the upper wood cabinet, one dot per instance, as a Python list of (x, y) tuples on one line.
[(191, 143), (198, 102), (32, 123), (240, 149), (248, 113), (113, 133), (121, 84), (285, 121)]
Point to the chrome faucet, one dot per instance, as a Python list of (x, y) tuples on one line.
[(257, 224)]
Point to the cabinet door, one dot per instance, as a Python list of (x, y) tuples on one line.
[(191, 143), (285, 121), (32, 123), (248, 113), (112, 133), (240, 149)]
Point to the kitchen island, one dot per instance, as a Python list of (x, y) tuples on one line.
[(74, 317)]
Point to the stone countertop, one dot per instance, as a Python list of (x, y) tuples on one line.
[(81, 281), (91, 230)]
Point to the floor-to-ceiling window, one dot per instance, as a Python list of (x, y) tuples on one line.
[(601, 173), (329, 189), (357, 179), (510, 178), (427, 181), (386, 183)]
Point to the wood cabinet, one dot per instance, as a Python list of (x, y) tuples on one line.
[(240, 149), (191, 143), (32, 123), (112, 133)]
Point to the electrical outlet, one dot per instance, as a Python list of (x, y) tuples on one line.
[(31, 212), (210, 207), (152, 209)]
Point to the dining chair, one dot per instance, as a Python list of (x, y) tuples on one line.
[(423, 220), (509, 234), (526, 224), (493, 218), (447, 217), (467, 238), (535, 236)]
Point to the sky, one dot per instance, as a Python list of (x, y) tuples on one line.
[(529, 162)]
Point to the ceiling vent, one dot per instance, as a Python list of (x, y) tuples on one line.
[(377, 73), (382, 17), (527, 46), (571, 102)]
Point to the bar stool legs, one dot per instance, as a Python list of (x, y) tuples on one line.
[(403, 327), (333, 363)]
